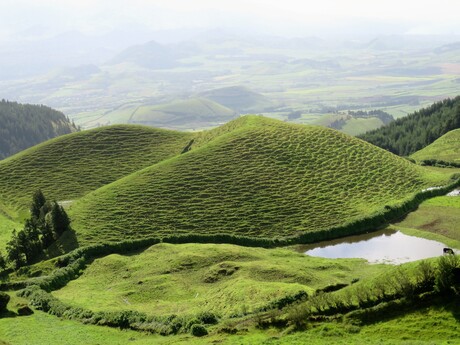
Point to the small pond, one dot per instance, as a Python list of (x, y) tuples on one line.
[(385, 246)]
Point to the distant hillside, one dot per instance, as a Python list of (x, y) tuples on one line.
[(256, 177), (446, 148), (26, 125), (407, 135), (355, 122), (238, 98), (190, 113), (70, 166)]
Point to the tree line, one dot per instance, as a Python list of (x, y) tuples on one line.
[(25, 125), (407, 135), (47, 222)]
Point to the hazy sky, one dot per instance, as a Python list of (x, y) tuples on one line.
[(286, 17)]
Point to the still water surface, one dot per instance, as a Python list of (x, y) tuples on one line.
[(386, 246)]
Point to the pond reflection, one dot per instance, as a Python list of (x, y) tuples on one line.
[(386, 246)]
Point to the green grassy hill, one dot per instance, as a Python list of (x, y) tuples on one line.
[(446, 148), (70, 166), (238, 98), (262, 177), (190, 113)]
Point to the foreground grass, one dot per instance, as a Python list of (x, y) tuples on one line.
[(428, 326), (190, 278), (263, 178)]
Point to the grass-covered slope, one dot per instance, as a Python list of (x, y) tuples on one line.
[(264, 178), (70, 166), (188, 279), (446, 148), (439, 215)]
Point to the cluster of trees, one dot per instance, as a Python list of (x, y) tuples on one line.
[(360, 114), (380, 114), (47, 222), (26, 125), (415, 131)]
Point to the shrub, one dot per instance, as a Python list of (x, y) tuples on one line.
[(24, 310), (198, 330), (4, 299), (208, 318), (447, 275), (425, 276), (192, 322)]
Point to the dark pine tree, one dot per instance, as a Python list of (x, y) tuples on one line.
[(14, 254), (38, 201), (59, 220)]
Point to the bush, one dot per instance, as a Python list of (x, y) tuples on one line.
[(447, 276), (192, 322), (24, 310), (198, 330), (4, 299), (208, 318)]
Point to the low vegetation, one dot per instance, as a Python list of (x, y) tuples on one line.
[(26, 125)]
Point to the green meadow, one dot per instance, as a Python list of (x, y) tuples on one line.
[(188, 279)]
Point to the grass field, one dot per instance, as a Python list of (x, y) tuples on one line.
[(187, 279), (359, 126), (446, 148), (259, 177), (427, 326), (439, 215)]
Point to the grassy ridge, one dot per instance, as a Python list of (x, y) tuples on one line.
[(68, 167), (263, 178), (446, 148)]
